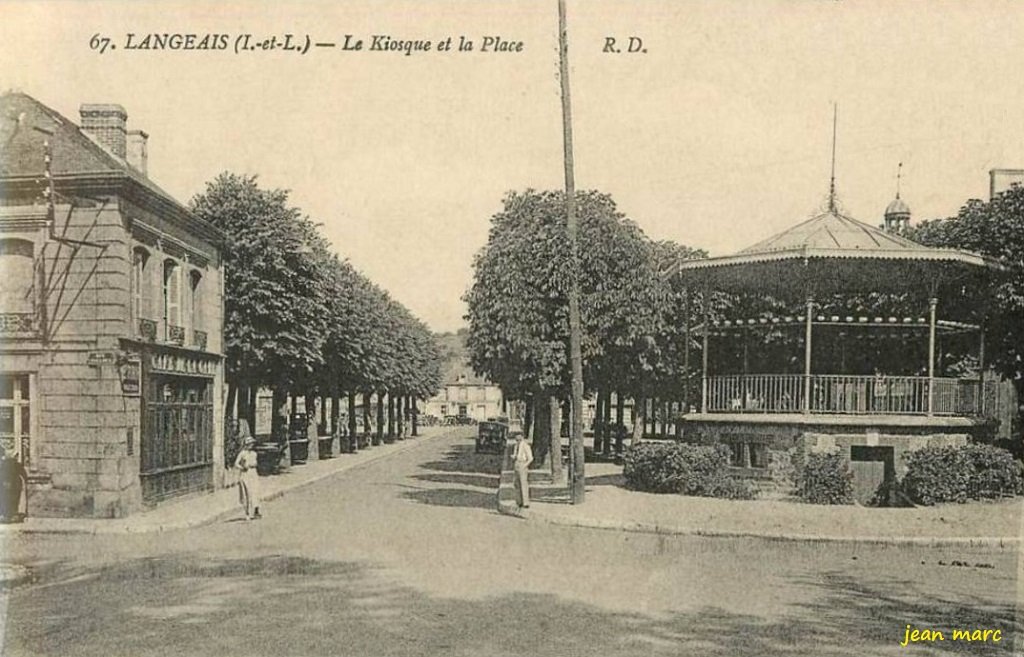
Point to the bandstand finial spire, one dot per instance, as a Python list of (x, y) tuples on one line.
[(832, 184), (899, 177)]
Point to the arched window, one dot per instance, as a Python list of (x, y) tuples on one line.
[(172, 301), (16, 276)]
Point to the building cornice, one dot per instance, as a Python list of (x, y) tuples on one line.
[(115, 182)]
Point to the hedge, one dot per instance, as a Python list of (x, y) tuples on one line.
[(958, 474), (826, 479), (687, 469)]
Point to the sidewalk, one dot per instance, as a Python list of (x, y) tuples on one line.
[(201, 509), (609, 505)]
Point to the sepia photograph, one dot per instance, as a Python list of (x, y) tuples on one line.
[(547, 328)]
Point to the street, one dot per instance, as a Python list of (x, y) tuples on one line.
[(407, 556)]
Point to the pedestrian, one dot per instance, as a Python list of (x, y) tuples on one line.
[(248, 477), (12, 487), (522, 457)]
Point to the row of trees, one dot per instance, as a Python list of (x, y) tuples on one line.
[(636, 322), (302, 321)]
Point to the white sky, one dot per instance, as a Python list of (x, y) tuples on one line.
[(717, 137)]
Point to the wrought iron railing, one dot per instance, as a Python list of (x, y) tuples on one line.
[(843, 394), (199, 339), (176, 334)]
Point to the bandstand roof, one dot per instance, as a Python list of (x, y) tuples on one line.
[(831, 253)]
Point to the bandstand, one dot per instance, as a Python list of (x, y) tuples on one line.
[(836, 388)]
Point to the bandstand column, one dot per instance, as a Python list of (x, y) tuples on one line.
[(932, 304), (706, 302), (981, 366), (686, 349), (807, 354)]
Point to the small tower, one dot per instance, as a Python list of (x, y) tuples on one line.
[(897, 214)]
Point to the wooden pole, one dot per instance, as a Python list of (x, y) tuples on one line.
[(575, 331)]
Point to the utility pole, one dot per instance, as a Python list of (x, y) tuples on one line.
[(576, 476)]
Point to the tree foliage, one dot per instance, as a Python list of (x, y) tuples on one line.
[(994, 228), (518, 309), (273, 292), (298, 317)]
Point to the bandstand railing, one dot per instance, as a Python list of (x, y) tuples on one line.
[(844, 394)]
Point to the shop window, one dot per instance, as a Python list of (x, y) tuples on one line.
[(16, 416)]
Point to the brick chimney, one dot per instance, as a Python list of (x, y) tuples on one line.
[(106, 123), (136, 148)]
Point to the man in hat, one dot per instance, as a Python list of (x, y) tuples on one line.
[(522, 457), (248, 477)]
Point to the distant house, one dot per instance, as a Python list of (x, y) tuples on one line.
[(111, 313), (464, 393)]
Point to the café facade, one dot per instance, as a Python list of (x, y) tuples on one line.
[(111, 315)]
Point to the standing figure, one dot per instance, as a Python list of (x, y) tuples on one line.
[(522, 457), (248, 479), (12, 487)]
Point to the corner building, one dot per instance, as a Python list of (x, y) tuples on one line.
[(111, 316)]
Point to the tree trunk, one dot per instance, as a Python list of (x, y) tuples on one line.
[(366, 418), (336, 412), (353, 439), (620, 421), (606, 432), (295, 403), (556, 437), (598, 417), (391, 416), (279, 419), (400, 415), (541, 431), (243, 406), (415, 415), (229, 403), (528, 417), (639, 420), (379, 437), (323, 416)]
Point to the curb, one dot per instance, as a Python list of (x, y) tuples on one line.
[(993, 542), (221, 510)]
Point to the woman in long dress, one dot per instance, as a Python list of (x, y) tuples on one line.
[(248, 479)]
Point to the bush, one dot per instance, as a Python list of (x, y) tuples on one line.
[(958, 474), (701, 470), (826, 479)]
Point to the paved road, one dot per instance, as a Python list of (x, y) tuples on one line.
[(406, 556)]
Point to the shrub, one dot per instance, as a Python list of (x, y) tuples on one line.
[(826, 479), (701, 470), (958, 474)]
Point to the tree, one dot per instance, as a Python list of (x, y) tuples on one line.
[(274, 323), (518, 314)]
